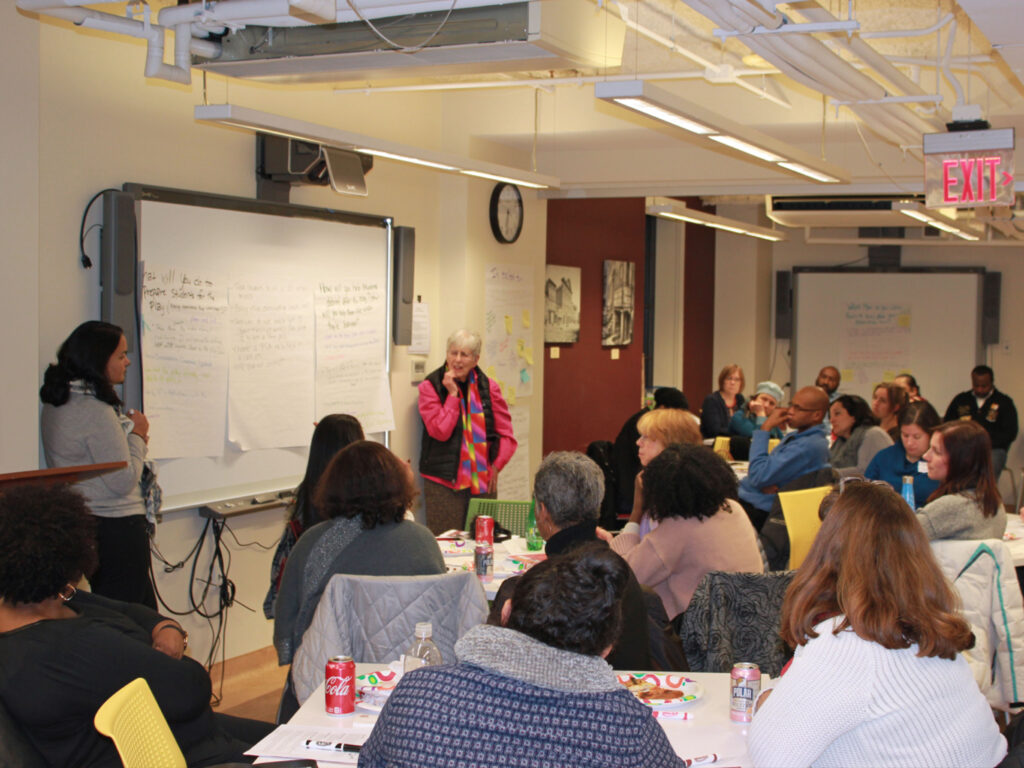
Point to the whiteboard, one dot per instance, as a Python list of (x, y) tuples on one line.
[(255, 321), (875, 325)]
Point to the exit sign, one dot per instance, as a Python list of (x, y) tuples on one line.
[(968, 169)]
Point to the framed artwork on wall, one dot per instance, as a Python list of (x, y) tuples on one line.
[(562, 305), (617, 315)]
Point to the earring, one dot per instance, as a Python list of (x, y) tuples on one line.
[(68, 592)]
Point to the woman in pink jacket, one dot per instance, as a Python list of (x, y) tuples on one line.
[(467, 434)]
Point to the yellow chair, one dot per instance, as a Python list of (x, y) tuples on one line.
[(721, 447), (800, 509), (508, 514), (132, 718)]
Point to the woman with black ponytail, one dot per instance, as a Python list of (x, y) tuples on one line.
[(83, 422)]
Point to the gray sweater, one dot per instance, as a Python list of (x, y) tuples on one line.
[(960, 516), (342, 546), (88, 431)]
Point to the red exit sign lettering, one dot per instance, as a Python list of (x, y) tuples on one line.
[(969, 169)]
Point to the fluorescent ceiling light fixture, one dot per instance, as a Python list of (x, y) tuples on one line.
[(805, 171), (404, 158), (916, 210), (279, 125), (665, 115), (650, 100), (668, 208), (747, 148), (509, 179)]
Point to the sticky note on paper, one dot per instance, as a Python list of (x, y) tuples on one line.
[(491, 372), (508, 324), (903, 321), (847, 374), (510, 394), (520, 346), (524, 376), (528, 355), (526, 318)]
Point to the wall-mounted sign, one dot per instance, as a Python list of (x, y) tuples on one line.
[(968, 169)]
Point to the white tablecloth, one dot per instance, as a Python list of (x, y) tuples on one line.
[(503, 566), (710, 731)]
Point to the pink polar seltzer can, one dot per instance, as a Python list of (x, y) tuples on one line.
[(340, 685), (745, 680)]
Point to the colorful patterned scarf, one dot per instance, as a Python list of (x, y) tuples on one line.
[(473, 469)]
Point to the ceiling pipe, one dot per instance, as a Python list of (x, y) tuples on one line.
[(696, 58), (153, 34), (263, 12), (810, 62)]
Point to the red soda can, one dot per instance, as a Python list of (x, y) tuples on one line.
[(484, 530), (745, 679), (340, 685)]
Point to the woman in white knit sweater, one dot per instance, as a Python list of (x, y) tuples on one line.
[(877, 678)]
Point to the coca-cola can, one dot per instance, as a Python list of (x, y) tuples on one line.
[(746, 685), (484, 529), (340, 685), (483, 562)]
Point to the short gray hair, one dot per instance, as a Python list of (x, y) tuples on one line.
[(571, 486), (467, 340)]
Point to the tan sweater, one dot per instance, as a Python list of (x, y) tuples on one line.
[(673, 558)]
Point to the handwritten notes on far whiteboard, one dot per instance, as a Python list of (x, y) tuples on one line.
[(258, 362), (876, 341), (270, 389), (349, 366), (185, 348)]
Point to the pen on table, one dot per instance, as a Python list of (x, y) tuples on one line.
[(690, 762), (333, 746)]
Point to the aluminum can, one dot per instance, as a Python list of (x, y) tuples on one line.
[(483, 562), (745, 680), (484, 530), (340, 685)]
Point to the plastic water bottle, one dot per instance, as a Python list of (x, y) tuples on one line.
[(908, 491), (423, 652)]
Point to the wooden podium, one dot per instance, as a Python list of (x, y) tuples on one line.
[(60, 474)]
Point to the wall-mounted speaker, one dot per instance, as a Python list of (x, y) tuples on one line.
[(404, 269), (783, 305), (117, 264)]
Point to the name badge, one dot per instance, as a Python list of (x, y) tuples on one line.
[(922, 467)]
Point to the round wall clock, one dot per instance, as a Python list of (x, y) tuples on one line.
[(506, 212)]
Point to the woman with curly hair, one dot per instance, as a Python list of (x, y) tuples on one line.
[(534, 691), (878, 678), (82, 422), (888, 400), (691, 493), (362, 497), (64, 652)]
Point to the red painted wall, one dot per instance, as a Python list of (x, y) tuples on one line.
[(587, 395), (699, 310)]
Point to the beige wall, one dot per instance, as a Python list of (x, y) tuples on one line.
[(19, 222), (100, 124), (743, 320)]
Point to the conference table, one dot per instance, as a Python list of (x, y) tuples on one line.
[(709, 729), (511, 558)]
